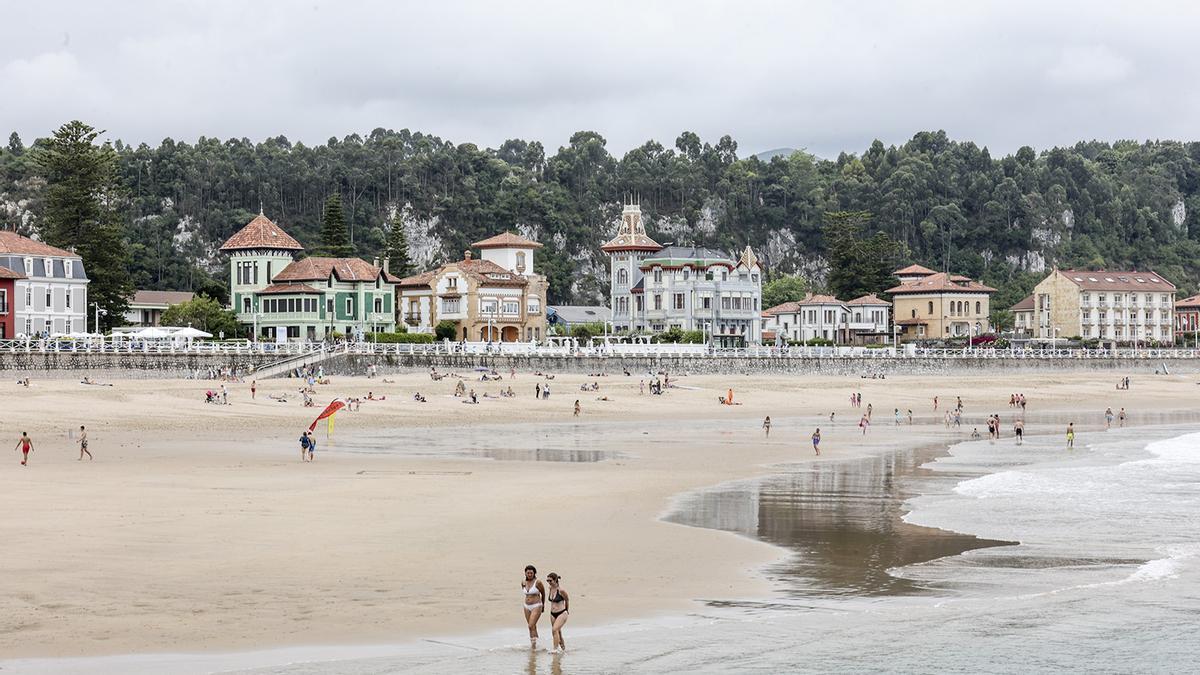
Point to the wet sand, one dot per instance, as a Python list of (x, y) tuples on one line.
[(198, 529)]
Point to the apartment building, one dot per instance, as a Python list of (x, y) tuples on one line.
[(1115, 307)]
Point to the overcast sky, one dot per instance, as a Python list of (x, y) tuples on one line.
[(826, 76)]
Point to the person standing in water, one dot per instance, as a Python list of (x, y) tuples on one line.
[(767, 426), (1108, 418), (1019, 429), (577, 408), (25, 445), (560, 606), (1070, 435), (535, 595), (816, 440), (83, 449), (1121, 418)]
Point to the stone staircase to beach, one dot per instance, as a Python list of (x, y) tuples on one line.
[(284, 366)]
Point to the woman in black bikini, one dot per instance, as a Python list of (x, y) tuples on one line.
[(534, 594), (560, 603)]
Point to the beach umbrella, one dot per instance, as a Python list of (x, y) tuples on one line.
[(151, 332), (190, 332)]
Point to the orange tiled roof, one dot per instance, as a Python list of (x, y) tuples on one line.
[(506, 240), (261, 233), (784, 308), (913, 270), (11, 242), (871, 299), (1193, 301), (1025, 305), (489, 273), (811, 299), (421, 279), (939, 282), (317, 268), (1103, 280), (6, 273)]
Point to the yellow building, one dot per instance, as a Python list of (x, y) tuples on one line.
[(937, 305), (499, 298), (1109, 306)]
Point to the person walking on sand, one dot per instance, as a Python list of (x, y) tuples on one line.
[(560, 606), (305, 444), (1019, 429), (869, 409), (767, 426), (253, 389), (537, 390), (934, 404), (1108, 418), (1121, 418), (312, 446), (864, 423), (897, 414), (577, 407), (1070, 435), (910, 415), (535, 596), (83, 443), (816, 439), (25, 445)]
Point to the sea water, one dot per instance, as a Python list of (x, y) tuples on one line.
[(1089, 562)]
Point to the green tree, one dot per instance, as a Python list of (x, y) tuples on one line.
[(204, 313), (396, 251), (446, 330), (82, 195), (786, 288), (858, 265), (335, 243)]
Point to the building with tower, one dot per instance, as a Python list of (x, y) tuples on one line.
[(498, 297), (655, 287), (281, 298)]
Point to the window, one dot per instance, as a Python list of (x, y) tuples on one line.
[(29, 323), (378, 305), (512, 307), (67, 297), (534, 306), (754, 278), (3, 301), (1100, 298), (978, 306), (726, 303), (452, 283), (246, 305), (914, 314), (256, 271), (931, 308), (349, 307), (706, 303), (521, 262), (657, 276), (48, 298), (686, 271), (1087, 315), (487, 306), (679, 301), (658, 301), (622, 277), (29, 273), (67, 270), (48, 264), (724, 275), (268, 270), (638, 302)]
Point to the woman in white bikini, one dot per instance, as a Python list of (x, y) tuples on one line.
[(560, 605), (534, 594)]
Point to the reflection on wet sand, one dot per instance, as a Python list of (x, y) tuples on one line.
[(842, 519)]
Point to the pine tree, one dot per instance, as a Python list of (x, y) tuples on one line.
[(81, 213), (396, 251), (335, 243)]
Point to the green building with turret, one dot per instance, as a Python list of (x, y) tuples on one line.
[(281, 298)]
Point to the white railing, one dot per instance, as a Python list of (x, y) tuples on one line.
[(282, 351)]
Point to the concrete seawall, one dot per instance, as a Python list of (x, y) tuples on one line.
[(138, 365)]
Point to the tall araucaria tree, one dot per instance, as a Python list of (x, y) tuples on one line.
[(81, 213), (334, 240)]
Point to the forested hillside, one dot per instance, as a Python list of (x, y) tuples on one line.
[(1004, 220)]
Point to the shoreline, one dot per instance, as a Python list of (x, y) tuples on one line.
[(715, 449)]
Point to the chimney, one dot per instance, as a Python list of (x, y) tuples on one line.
[(467, 254), (375, 261), (387, 264)]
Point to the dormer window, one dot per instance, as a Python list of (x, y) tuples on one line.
[(520, 262), (48, 263), (452, 283), (67, 268), (29, 267)]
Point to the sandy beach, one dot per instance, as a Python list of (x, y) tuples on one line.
[(197, 528)]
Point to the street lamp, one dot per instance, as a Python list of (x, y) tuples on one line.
[(99, 313)]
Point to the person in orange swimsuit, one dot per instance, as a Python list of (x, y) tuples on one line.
[(25, 445)]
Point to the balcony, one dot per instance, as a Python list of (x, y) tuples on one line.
[(412, 318)]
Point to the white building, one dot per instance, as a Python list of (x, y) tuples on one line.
[(49, 287), (862, 320), (1117, 307), (146, 307), (655, 288)]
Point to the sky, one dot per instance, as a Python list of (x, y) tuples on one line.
[(827, 77)]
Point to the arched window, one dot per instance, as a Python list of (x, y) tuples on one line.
[(622, 276), (978, 307), (520, 261), (930, 308), (914, 314)]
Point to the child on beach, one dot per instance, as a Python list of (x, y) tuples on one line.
[(816, 440)]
